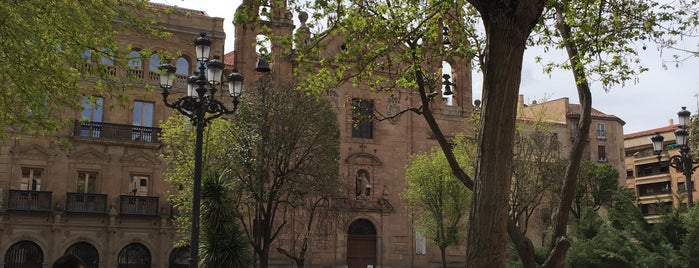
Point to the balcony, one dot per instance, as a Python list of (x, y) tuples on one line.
[(86, 203), (109, 131), (29, 200), (138, 205)]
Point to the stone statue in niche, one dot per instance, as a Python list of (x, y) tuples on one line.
[(393, 108), (363, 185)]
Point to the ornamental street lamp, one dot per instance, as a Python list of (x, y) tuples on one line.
[(200, 106), (683, 162)]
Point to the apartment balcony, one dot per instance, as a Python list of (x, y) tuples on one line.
[(29, 200), (117, 132), (86, 203), (138, 205)]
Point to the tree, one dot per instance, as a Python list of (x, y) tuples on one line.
[(44, 48), (537, 171), (597, 186), (283, 146), (281, 150), (438, 200), (392, 45), (224, 243), (690, 249)]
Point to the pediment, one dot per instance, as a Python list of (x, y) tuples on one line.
[(140, 158), (90, 153), (32, 151), (363, 159)]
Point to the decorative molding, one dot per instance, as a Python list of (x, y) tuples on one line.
[(380, 206)]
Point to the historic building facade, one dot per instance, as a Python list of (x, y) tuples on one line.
[(103, 197), (658, 186), (605, 142), (604, 145), (375, 227)]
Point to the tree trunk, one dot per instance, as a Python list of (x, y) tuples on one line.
[(560, 245), (443, 252), (487, 232)]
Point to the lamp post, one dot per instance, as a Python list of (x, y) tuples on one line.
[(200, 106), (683, 162)]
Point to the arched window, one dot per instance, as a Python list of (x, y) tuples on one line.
[(86, 252), (135, 61), (447, 93), (24, 254), (264, 45), (107, 57), (134, 255), (179, 257), (154, 63), (182, 66), (87, 55)]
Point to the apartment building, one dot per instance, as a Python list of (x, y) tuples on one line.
[(605, 142), (103, 198), (658, 186)]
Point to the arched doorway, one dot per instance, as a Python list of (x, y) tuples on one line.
[(179, 257), (361, 244), (86, 252), (134, 255), (24, 254)]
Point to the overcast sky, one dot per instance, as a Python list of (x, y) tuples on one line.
[(650, 103)]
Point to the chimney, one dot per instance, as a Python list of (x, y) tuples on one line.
[(671, 122), (520, 101)]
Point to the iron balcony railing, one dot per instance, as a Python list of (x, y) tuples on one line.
[(29, 200), (100, 130), (138, 205), (86, 203)]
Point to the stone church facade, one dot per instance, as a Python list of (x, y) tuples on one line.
[(105, 198), (374, 228)]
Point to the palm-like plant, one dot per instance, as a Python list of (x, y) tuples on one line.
[(224, 244)]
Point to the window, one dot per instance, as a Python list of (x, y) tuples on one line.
[(362, 115), (681, 187), (135, 61), (86, 252), (629, 173), (86, 55), (107, 57), (182, 67), (420, 244), (91, 117), (574, 129), (154, 63), (86, 182), (601, 153), (134, 255), (31, 179), (24, 254), (654, 188), (601, 132), (92, 109), (142, 121), (139, 185)]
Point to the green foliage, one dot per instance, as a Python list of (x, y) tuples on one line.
[(690, 249), (178, 154), (224, 243), (597, 185), (596, 243), (438, 200), (42, 66)]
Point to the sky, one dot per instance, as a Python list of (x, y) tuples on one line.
[(650, 102)]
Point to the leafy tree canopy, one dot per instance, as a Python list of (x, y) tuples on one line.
[(45, 50)]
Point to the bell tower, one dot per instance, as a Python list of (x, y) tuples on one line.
[(263, 26)]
